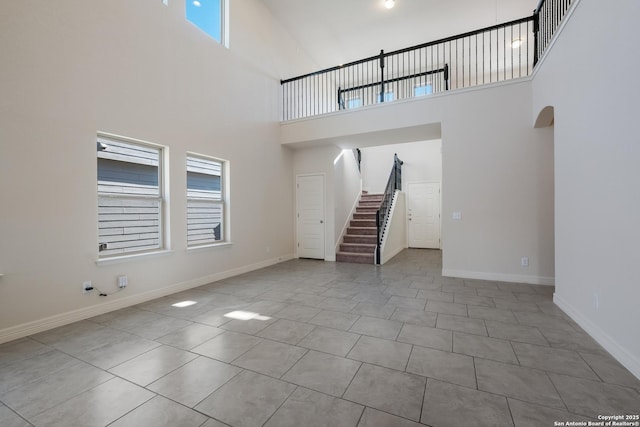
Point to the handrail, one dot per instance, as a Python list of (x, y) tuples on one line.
[(382, 82), (408, 49), (538, 7), (382, 215), (546, 20), (487, 55), (470, 59)]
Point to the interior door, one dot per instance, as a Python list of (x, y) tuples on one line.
[(423, 214), (310, 216)]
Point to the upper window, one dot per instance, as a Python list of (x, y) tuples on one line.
[(205, 201), (209, 16), (354, 103), (130, 196), (424, 89)]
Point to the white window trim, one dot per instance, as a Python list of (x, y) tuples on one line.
[(224, 201), (208, 246), (116, 259), (164, 240), (225, 23)]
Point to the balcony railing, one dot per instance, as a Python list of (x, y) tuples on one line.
[(546, 20), (488, 55)]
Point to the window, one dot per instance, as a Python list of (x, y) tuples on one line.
[(354, 103), (209, 16), (205, 200), (425, 89), (388, 96), (130, 196)]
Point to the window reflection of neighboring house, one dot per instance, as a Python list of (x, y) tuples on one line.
[(204, 206)]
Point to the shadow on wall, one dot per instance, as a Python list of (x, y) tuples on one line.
[(545, 118)]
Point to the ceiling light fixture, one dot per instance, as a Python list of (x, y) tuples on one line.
[(516, 44), (389, 3), (196, 3)]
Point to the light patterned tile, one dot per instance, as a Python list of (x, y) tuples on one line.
[(388, 390), (309, 408), (194, 381), (270, 358), (323, 372), (381, 352), (452, 405), (330, 341), (374, 327), (96, 407), (249, 399)]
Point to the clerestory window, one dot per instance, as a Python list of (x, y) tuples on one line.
[(210, 16)]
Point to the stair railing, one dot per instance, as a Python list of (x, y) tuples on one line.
[(382, 215)]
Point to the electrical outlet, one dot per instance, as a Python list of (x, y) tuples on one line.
[(123, 281), (524, 261), (87, 287)]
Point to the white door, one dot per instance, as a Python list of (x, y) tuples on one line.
[(423, 214), (310, 215)]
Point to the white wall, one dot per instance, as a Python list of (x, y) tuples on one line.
[(589, 77), (139, 69), (422, 162), (497, 171), (395, 239), (320, 160)]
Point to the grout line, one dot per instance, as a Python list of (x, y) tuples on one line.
[(352, 378), (556, 389), (362, 280), (475, 372), (513, 421)]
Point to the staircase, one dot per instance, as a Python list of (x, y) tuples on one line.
[(359, 243)]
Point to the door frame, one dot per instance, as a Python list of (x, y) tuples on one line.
[(439, 208), (324, 211)]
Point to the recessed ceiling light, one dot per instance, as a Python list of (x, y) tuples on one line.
[(516, 44), (196, 3), (389, 3)]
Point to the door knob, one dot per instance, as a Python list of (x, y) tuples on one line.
[(321, 222)]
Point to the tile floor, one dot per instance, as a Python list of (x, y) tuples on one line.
[(336, 345)]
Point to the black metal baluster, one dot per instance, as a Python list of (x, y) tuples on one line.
[(504, 54)]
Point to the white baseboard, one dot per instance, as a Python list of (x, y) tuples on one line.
[(514, 278), (41, 325), (621, 354)]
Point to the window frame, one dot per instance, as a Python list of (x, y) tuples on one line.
[(223, 201), (224, 22), (163, 239)]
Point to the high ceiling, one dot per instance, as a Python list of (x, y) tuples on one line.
[(333, 32)]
